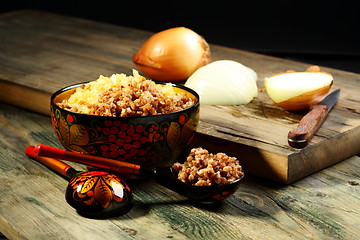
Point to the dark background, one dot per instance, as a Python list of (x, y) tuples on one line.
[(316, 32)]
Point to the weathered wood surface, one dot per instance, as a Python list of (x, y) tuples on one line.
[(325, 205), (41, 52)]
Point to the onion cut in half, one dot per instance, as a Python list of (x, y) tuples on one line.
[(224, 82), (297, 91)]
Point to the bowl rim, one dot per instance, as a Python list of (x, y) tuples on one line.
[(76, 85), (216, 186)]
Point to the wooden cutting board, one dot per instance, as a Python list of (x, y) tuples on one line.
[(42, 52)]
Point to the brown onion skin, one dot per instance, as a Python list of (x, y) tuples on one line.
[(159, 63)]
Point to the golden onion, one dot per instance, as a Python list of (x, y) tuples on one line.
[(172, 55), (297, 91)]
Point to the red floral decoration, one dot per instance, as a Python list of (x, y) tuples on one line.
[(99, 188)]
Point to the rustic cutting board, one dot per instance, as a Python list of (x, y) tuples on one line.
[(42, 52)]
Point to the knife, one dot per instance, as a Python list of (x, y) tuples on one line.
[(312, 121)]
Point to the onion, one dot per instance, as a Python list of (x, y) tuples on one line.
[(224, 82), (172, 55), (297, 91)]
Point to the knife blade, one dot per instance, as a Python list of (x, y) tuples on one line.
[(312, 121)]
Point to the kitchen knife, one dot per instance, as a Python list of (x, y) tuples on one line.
[(311, 122)]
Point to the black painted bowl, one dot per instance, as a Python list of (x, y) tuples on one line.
[(167, 177), (98, 194), (147, 141)]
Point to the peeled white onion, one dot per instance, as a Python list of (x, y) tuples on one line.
[(224, 82), (297, 91)]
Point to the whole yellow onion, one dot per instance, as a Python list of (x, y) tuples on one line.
[(172, 55)]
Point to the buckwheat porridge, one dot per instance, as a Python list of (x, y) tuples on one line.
[(202, 168), (124, 96)]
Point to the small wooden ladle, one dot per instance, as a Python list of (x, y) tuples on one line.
[(94, 194)]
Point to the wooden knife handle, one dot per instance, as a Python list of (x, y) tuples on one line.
[(308, 126)]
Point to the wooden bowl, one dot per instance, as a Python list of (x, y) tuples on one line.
[(147, 141)]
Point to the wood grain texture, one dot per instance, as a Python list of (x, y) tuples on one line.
[(325, 205), (42, 52)]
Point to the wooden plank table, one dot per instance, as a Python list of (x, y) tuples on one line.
[(325, 205), (42, 52)]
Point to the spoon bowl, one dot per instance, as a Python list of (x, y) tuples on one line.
[(98, 194)]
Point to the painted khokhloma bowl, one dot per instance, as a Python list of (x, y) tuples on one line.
[(147, 141)]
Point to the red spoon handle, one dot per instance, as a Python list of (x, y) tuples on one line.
[(111, 164), (54, 164)]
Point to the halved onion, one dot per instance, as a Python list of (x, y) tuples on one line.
[(224, 82), (296, 91)]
